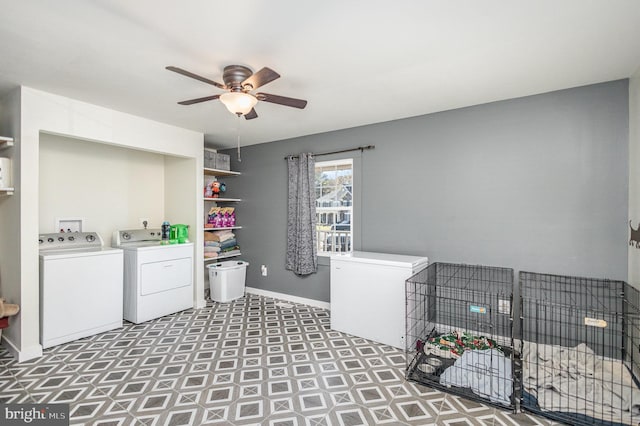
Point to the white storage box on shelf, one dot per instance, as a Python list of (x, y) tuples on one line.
[(226, 280), (223, 162), (5, 172), (213, 160), (209, 158)]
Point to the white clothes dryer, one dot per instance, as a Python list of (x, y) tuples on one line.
[(158, 277)]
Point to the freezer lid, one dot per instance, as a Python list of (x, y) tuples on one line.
[(386, 259)]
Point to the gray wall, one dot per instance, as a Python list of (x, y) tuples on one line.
[(537, 183)]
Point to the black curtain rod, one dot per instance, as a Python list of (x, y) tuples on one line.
[(360, 148)]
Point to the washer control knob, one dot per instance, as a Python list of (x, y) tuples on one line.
[(40, 241), (50, 239), (90, 238), (60, 239), (71, 238), (126, 236)]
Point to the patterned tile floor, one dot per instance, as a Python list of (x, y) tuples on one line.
[(255, 361)]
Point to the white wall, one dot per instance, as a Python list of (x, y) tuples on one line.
[(10, 215), (634, 174), (109, 187), (42, 112), (178, 204)]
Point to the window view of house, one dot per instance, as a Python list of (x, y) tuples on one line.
[(334, 205)]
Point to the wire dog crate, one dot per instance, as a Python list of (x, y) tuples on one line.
[(579, 346), (459, 331)]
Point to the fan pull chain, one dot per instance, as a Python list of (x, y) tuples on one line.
[(239, 158)]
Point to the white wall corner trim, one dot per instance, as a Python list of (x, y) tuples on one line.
[(289, 298), (633, 274), (200, 303), (26, 354)]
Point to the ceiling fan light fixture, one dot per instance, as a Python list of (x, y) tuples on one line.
[(238, 82), (238, 103)]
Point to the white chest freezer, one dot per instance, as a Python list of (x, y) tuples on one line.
[(368, 294)]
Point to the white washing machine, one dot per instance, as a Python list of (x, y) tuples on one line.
[(158, 278), (80, 287)]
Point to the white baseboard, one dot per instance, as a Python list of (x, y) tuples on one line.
[(289, 298), (32, 352)]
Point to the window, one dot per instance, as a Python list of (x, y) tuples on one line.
[(334, 205)]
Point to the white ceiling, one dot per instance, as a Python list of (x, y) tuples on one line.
[(356, 62)]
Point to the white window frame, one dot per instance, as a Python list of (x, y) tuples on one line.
[(323, 234)]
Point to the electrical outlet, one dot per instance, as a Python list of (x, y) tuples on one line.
[(144, 222), (263, 268)]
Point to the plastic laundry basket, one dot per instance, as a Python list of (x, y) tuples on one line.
[(226, 280)]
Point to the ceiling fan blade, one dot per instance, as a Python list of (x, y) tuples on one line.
[(282, 100), (197, 77), (195, 101), (260, 78), (251, 114)]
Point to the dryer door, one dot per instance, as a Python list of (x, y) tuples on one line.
[(156, 277)]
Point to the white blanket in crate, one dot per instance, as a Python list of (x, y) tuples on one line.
[(486, 372), (576, 380)]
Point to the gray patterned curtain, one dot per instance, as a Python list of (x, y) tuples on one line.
[(302, 256)]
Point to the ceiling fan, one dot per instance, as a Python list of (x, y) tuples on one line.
[(239, 81)]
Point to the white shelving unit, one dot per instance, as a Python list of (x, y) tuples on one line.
[(221, 173), (223, 229), (223, 200), (6, 142), (224, 256)]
